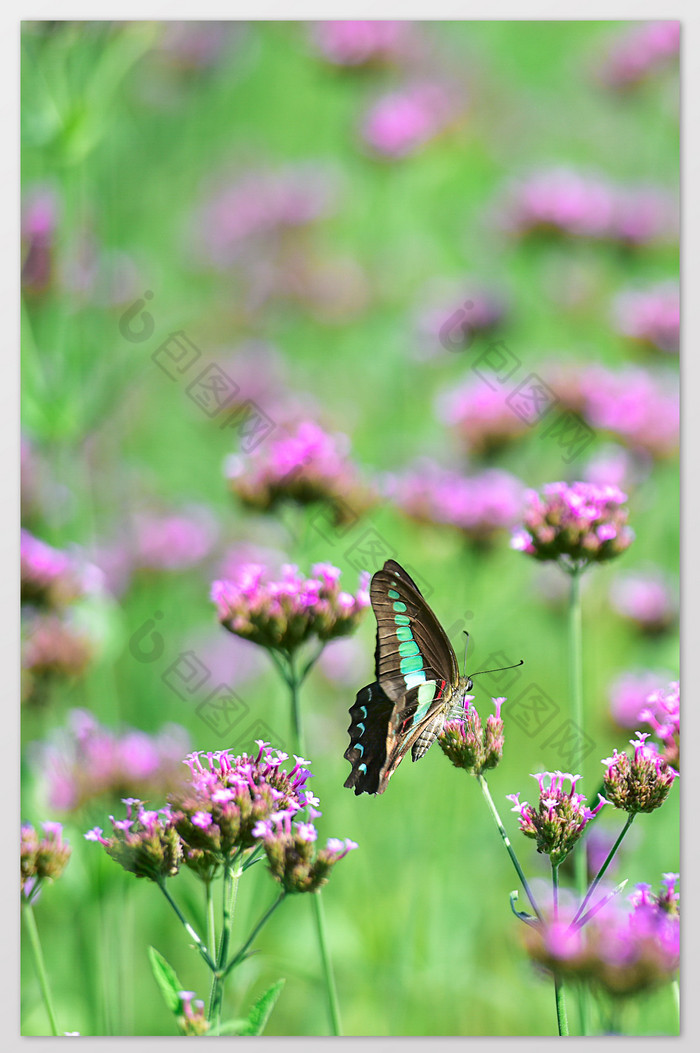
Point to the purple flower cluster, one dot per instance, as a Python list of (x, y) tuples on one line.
[(567, 203), (402, 122), (172, 541), (478, 505), (282, 615), (145, 843), (38, 229), (618, 951), (51, 577), (662, 711), (192, 1015), (305, 466), (54, 646), (574, 524), (639, 53), (651, 317), (640, 783), (646, 600), (456, 313), (292, 859), (469, 745), (629, 695), (362, 43), (560, 817), (41, 858), (481, 418), (87, 760)]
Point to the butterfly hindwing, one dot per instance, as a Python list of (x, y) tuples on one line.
[(370, 720)]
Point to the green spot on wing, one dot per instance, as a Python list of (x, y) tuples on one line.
[(400, 607), (402, 619), (409, 648), (404, 633), (411, 665), (393, 594)]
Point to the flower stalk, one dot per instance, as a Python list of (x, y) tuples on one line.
[(40, 966)]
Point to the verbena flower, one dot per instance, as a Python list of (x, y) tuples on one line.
[(629, 694), (480, 417), (305, 466), (645, 599), (284, 614), (85, 760), (618, 951), (638, 53), (51, 577), (40, 214), (559, 818), (291, 854), (651, 317), (54, 647), (163, 541), (575, 524), (192, 1016), (662, 712), (361, 43), (478, 505), (613, 465), (402, 122), (455, 313), (42, 858), (469, 745), (145, 843), (640, 783), (225, 797)]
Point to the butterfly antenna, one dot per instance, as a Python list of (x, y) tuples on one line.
[(501, 670), (466, 648)]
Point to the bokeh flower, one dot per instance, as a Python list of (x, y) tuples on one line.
[(645, 599), (480, 417), (306, 466), (362, 43), (639, 53), (651, 317), (40, 215), (662, 711), (574, 524), (639, 783), (455, 314), (283, 614), (403, 121), (468, 744), (43, 858), (291, 855), (51, 577), (172, 540), (54, 647), (629, 693), (559, 818), (478, 505), (145, 843)]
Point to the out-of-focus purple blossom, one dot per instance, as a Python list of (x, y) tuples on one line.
[(629, 694), (468, 744), (305, 465), (256, 208), (639, 53), (598, 845), (194, 46), (229, 659), (640, 783), (662, 712), (481, 417), (41, 858), (402, 122), (51, 577), (362, 43), (645, 599), (341, 661), (174, 541), (479, 505), (40, 211), (560, 817), (567, 203), (651, 317), (574, 524), (86, 760), (454, 315), (291, 855), (613, 465), (54, 647), (282, 614)]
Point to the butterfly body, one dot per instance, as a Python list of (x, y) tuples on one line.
[(417, 688)]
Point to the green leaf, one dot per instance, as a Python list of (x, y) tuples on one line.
[(258, 1015), (230, 1027), (167, 980)]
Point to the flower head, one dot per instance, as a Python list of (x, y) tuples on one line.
[(662, 711), (283, 614), (629, 694), (651, 317), (362, 43), (191, 1014), (41, 858), (145, 843), (51, 577), (575, 524), (560, 817), (646, 600), (640, 783), (480, 417), (291, 855), (468, 744), (638, 53), (402, 122), (54, 646)]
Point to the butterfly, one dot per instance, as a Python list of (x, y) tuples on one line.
[(417, 687)]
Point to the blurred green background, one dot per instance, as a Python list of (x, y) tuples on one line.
[(130, 134)]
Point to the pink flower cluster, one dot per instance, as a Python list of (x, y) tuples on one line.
[(567, 203), (402, 122), (470, 745), (41, 858), (145, 843), (40, 213), (574, 524), (54, 646), (639, 53), (456, 313), (629, 694), (478, 505), (559, 818), (87, 760), (172, 541), (51, 577), (662, 711), (481, 418), (292, 861), (651, 317), (282, 615), (306, 465), (646, 600), (360, 43), (640, 783)]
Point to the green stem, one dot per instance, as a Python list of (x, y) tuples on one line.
[(231, 875), (606, 864), (559, 996), (211, 932), (40, 967), (240, 955), (506, 841), (188, 928), (333, 1008), (294, 685)]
